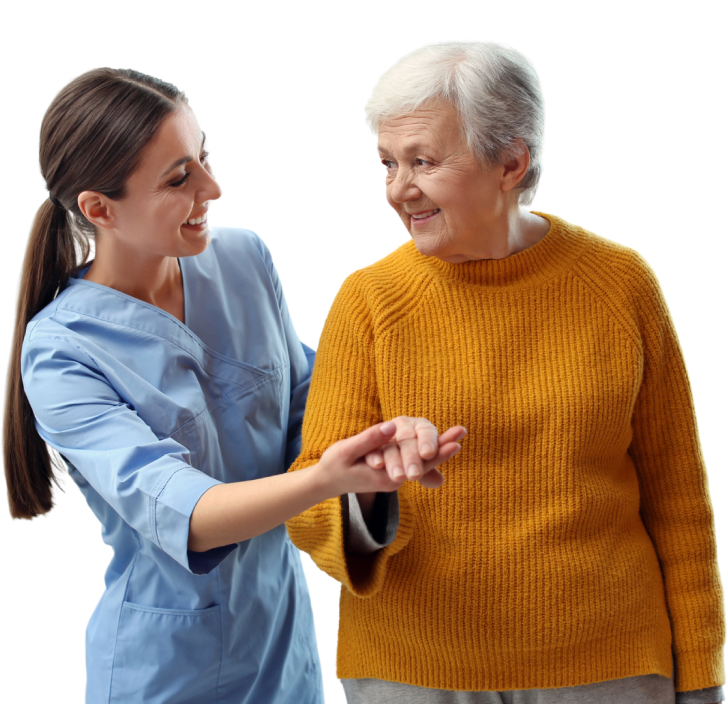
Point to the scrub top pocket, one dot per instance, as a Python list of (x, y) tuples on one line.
[(166, 656)]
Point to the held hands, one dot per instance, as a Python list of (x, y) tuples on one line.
[(415, 445), (384, 456)]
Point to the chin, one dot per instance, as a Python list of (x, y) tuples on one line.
[(198, 244), (203, 243), (430, 247)]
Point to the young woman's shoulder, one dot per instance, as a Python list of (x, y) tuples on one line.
[(236, 245), (240, 261), (237, 253), (235, 239)]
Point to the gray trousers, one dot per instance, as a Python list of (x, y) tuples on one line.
[(644, 689)]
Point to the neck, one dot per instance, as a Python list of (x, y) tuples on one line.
[(156, 280), (512, 231)]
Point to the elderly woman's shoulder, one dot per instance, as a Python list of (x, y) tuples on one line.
[(616, 273), (399, 269)]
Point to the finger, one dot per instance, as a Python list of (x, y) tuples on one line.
[(454, 434), (394, 464), (445, 453), (410, 458), (375, 459), (433, 479), (427, 438), (405, 427), (353, 448)]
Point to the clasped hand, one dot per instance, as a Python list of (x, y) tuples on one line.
[(384, 456)]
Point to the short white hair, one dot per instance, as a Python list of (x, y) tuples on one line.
[(494, 90)]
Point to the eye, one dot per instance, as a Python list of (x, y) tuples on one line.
[(181, 182), (422, 162), (388, 163)]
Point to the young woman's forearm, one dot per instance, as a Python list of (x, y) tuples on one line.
[(231, 513)]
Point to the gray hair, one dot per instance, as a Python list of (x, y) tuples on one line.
[(495, 91)]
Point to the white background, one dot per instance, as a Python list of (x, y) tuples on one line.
[(634, 152)]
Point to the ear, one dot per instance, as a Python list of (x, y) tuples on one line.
[(96, 208), (515, 165)]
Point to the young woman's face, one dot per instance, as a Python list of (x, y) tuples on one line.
[(164, 211)]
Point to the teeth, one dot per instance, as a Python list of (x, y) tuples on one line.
[(421, 216), (197, 221)]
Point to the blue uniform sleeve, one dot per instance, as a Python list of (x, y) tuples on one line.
[(147, 480), (301, 364)]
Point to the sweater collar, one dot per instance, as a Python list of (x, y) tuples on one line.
[(555, 253)]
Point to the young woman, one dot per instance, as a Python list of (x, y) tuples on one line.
[(168, 376)]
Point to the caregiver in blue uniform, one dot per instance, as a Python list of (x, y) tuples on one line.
[(168, 376)]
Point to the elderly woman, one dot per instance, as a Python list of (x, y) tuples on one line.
[(570, 555)]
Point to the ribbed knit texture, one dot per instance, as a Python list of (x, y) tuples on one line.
[(537, 564)]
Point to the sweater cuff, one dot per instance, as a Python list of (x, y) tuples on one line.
[(319, 531), (383, 524)]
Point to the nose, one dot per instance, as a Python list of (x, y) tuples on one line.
[(403, 188), (208, 189)]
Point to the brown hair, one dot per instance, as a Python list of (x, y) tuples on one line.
[(91, 139)]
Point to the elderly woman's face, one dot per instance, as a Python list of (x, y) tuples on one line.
[(443, 195)]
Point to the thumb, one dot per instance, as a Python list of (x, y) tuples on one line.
[(352, 449)]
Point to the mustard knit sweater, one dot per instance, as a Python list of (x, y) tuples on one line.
[(573, 540)]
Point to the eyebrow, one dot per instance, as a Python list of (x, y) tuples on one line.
[(408, 149), (184, 159)]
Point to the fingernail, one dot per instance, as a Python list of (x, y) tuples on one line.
[(413, 471), (427, 449), (388, 428), (398, 472)]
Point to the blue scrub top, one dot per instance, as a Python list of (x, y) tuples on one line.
[(149, 413)]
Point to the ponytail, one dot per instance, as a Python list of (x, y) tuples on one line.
[(91, 139), (51, 257)]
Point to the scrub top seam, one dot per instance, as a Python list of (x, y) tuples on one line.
[(222, 641), (118, 621), (259, 375), (187, 333), (158, 493), (228, 396), (249, 386)]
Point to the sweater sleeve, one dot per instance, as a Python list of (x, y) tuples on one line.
[(343, 401), (675, 503)]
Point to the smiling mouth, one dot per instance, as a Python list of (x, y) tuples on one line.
[(421, 217), (196, 221)]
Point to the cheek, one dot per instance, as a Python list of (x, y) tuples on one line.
[(389, 199)]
